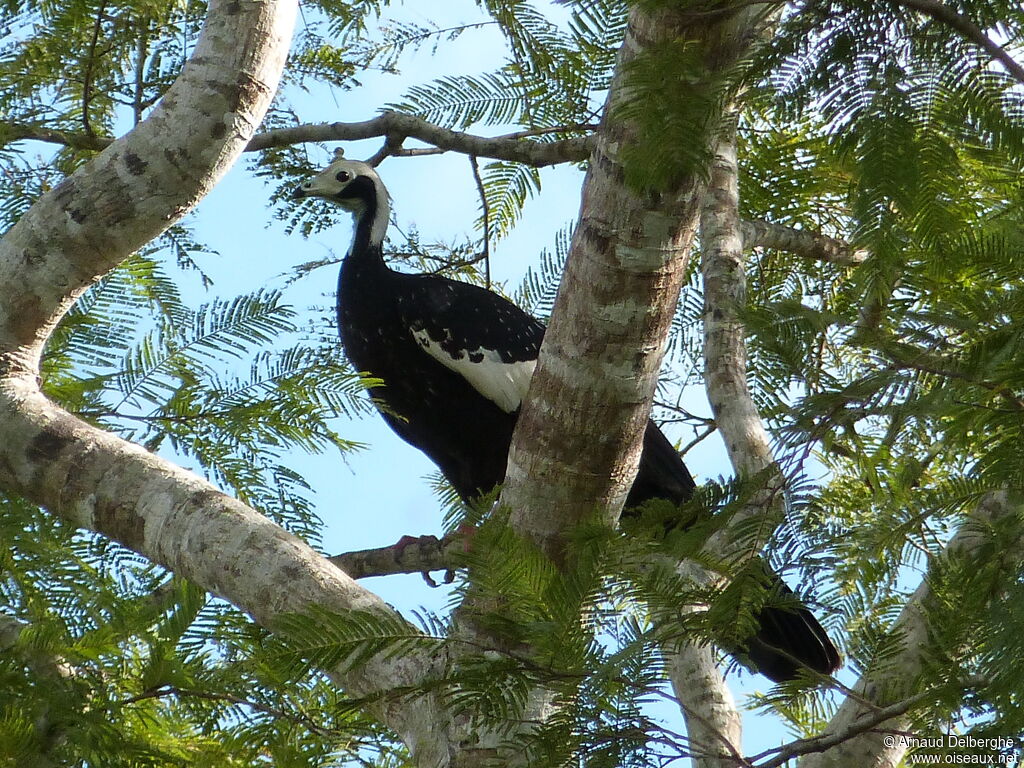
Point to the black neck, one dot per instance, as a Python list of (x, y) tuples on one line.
[(364, 249), (365, 257), (364, 265), (364, 225)]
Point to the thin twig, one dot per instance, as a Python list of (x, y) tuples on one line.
[(699, 439), (925, 364), (684, 414), (787, 752), (392, 144), (140, 73), (487, 219), (89, 64)]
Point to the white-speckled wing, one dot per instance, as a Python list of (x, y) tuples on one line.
[(503, 383)]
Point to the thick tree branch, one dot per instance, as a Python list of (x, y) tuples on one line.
[(393, 125), (725, 351), (725, 294), (697, 681), (138, 185), (713, 723), (810, 245), (512, 147), (577, 443)]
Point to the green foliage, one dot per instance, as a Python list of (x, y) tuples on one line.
[(507, 187), (106, 660), (675, 124), (536, 294), (886, 128), (215, 384), (84, 61), (115, 664)]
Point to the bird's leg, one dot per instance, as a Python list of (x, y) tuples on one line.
[(430, 543)]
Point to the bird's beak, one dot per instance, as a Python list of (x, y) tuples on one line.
[(299, 192)]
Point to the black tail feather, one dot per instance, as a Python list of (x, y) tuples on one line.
[(790, 640)]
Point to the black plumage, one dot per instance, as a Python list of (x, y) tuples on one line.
[(455, 361)]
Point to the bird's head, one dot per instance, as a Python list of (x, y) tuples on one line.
[(354, 186)]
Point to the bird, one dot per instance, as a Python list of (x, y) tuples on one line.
[(453, 362)]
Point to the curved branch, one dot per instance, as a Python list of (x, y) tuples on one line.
[(111, 206), (780, 756), (968, 30), (392, 125), (513, 147), (713, 723), (11, 132), (141, 183), (725, 293)]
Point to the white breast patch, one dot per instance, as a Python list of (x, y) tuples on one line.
[(504, 384)]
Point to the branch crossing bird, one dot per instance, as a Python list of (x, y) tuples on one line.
[(456, 360)]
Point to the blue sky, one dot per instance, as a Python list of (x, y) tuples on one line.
[(373, 497)]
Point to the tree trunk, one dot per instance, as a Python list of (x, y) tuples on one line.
[(577, 443)]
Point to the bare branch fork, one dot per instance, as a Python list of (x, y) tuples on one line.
[(394, 126)]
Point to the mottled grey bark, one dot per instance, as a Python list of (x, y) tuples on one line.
[(144, 181), (810, 245), (713, 724), (856, 735), (577, 444)]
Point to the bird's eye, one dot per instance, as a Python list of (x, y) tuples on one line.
[(343, 176)]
